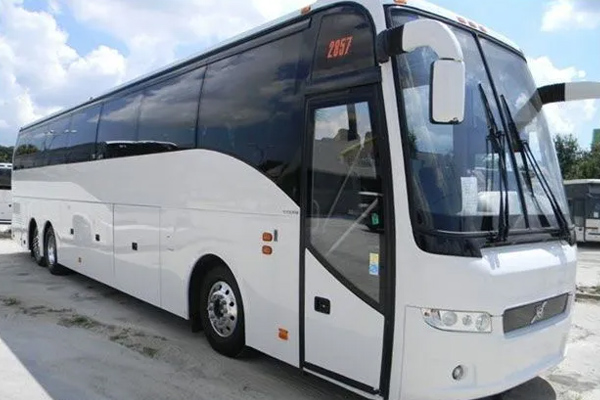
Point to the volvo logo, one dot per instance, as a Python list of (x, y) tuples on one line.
[(539, 312)]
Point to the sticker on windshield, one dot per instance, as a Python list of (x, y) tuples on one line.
[(374, 264), (469, 195)]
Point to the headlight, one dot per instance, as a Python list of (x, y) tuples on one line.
[(458, 321)]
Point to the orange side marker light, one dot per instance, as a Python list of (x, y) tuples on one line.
[(267, 250), (284, 334), (267, 237)]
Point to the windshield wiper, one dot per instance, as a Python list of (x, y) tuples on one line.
[(496, 137), (529, 158)]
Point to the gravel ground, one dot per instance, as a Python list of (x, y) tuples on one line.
[(66, 338)]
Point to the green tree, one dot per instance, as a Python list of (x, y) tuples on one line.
[(6, 154), (588, 165), (569, 155)]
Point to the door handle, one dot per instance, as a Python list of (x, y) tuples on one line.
[(322, 305)]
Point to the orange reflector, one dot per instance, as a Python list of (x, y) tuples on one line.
[(482, 28), (402, 2), (284, 334), (267, 237), (267, 250), (472, 24), (462, 20), (305, 10)]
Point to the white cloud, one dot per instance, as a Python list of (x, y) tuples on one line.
[(572, 14), (153, 30), (41, 73), (569, 117)]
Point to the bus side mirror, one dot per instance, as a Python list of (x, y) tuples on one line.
[(448, 92), (448, 86)]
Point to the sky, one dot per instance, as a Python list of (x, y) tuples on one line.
[(57, 53)]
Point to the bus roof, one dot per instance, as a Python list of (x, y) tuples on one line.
[(420, 5)]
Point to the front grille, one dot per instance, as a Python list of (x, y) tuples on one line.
[(531, 314)]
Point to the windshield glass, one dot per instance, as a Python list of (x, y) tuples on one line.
[(453, 170), (513, 80)]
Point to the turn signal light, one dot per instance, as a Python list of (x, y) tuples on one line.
[(267, 250), (267, 237), (284, 334)]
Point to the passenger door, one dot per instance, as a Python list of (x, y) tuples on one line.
[(345, 254)]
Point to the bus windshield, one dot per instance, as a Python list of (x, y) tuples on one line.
[(455, 172)]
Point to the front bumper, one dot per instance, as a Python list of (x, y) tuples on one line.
[(493, 363)]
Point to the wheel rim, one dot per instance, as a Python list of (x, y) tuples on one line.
[(36, 244), (222, 309), (51, 250)]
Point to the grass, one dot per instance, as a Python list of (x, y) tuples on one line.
[(149, 352), (11, 301), (80, 321)]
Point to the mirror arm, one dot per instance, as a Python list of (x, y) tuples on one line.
[(419, 33), (557, 93)]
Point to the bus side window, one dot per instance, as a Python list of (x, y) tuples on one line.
[(169, 112), (82, 135), (250, 109), (117, 131), (57, 141)]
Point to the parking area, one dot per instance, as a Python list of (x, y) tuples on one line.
[(73, 338)]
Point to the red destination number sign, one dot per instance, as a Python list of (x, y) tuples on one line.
[(340, 47)]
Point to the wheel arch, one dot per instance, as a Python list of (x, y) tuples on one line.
[(197, 275)]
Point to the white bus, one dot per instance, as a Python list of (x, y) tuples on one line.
[(5, 193), (583, 196), (335, 189)]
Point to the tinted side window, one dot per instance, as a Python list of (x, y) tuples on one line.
[(38, 144), (345, 44), (117, 132), (82, 137), (22, 149), (250, 109), (169, 113), (57, 141)]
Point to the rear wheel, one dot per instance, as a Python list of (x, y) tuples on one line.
[(51, 254), (36, 249), (222, 312)]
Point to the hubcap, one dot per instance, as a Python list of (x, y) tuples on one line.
[(222, 309), (51, 250)]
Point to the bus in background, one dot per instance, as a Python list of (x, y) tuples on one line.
[(366, 190), (5, 193), (583, 196)]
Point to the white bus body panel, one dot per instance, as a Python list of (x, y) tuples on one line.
[(5, 206), (336, 341), (215, 205)]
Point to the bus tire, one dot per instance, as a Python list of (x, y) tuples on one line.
[(222, 312), (51, 253), (36, 250)]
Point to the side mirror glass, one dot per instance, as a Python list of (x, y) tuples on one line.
[(448, 92)]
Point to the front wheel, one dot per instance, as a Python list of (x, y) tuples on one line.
[(222, 312), (51, 254), (36, 250)]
